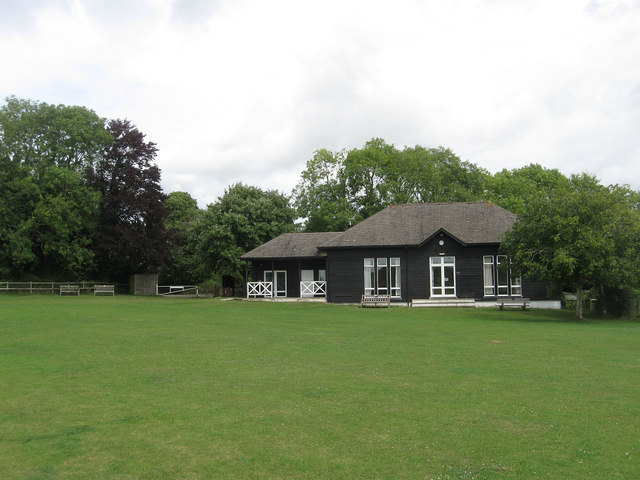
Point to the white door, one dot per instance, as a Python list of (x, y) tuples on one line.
[(307, 276), (443, 276)]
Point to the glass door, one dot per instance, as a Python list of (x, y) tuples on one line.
[(280, 284), (443, 276)]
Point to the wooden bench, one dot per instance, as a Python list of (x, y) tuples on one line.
[(523, 303), (375, 301), (70, 289), (106, 289)]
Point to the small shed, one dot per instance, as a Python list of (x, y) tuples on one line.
[(143, 284)]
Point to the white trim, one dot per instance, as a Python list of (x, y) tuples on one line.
[(443, 264)]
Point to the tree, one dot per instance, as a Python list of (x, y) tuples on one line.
[(242, 219), (184, 264), (512, 189), (131, 236), (427, 175), (340, 189), (47, 211), (18, 196), (38, 135), (321, 195), (581, 235)]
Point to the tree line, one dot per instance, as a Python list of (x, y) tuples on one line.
[(80, 197)]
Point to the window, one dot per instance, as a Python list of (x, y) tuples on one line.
[(503, 276), (369, 276), (516, 286), (322, 275), (488, 272), (382, 276), (395, 276)]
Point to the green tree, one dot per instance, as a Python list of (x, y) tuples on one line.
[(369, 174), (47, 211), (184, 264), (39, 135), (242, 219), (581, 235), (512, 189), (337, 190), (427, 175), (19, 194), (321, 195), (62, 223)]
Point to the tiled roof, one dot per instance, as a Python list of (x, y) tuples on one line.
[(398, 225), (413, 224), (291, 245)]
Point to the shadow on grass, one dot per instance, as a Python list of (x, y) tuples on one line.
[(560, 316)]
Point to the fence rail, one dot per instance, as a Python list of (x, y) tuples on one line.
[(313, 289), (259, 289), (176, 290), (41, 287)]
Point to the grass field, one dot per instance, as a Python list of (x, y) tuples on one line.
[(155, 388)]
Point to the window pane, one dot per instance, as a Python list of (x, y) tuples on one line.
[(516, 285), (382, 279), (369, 276), (488, 274), (436, 277), (449, 277), (503, 276), (395, 277)]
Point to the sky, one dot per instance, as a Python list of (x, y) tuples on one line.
[(247, 90)]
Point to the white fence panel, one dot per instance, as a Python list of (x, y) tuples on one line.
[(259, 289)]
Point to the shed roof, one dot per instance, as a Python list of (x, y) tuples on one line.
[(291, 245)]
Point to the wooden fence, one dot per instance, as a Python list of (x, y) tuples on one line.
[(43, 287)]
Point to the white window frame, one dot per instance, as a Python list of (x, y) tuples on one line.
[(489, 275), (516, 286), (395, 278), (382, 275), (369, 276), (443, 263), (502, 276)]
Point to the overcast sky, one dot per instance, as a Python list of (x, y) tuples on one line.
[(247, 90)]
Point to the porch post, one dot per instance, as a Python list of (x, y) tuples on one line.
[(299, 278), (245, 288), (273, 279)]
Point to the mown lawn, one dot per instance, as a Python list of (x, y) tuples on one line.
[(154, 388)]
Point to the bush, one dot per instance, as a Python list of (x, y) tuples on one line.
[(211, 286), (619, 301)]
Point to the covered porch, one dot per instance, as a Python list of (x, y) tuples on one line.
[(289, 266)]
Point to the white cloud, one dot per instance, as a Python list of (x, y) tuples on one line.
[(247, 90)]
